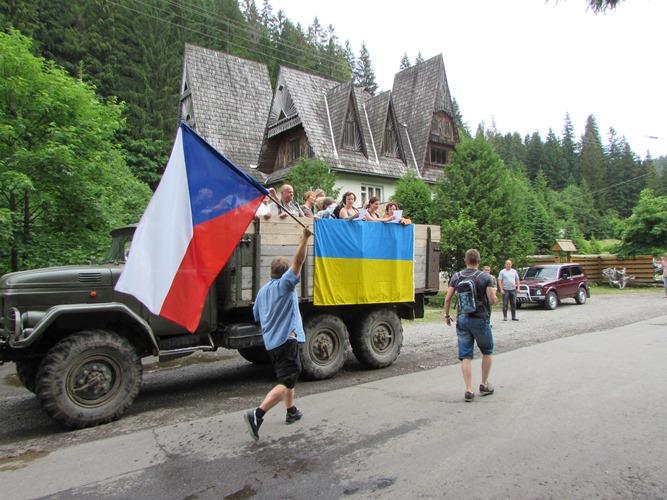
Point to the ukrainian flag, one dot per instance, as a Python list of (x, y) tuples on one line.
[(360, 262)]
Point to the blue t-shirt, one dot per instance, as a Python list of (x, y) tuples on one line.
[(277, 310)]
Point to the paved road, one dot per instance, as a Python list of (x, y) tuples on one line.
[(208, 385), (577, 417)]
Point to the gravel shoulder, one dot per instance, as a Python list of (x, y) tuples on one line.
[(208, 384)]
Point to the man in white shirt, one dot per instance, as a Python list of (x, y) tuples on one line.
[(508, 282)]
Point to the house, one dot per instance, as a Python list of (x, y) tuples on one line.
[(369, 141)]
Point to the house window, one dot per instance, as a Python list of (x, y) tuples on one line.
[(350, 132), (438, 155), (367, 192), (294, 149)]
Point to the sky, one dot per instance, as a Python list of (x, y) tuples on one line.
[(522, 64)]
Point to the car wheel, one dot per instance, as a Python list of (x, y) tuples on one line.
[(327, 342), (580, 298), (89, 378), (377, 338), (551, 301)]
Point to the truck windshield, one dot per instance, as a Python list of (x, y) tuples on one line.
[(543, 273)]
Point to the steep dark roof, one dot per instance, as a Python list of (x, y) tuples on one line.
[(231, 99), (418, 92), (322, 105)]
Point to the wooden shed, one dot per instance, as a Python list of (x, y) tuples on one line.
[(564, 248)]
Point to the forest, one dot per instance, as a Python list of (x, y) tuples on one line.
[(88, 110)]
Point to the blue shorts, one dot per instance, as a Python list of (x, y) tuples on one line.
[(470, 330)]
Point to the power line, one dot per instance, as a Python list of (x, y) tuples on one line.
[(237, 24), (256, 52), (619, 183)]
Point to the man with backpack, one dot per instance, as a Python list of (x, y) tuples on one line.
[(476, 294)]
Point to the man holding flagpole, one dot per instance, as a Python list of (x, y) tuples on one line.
[(277, 310)]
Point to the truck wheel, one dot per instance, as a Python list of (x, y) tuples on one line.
[(257, 355), (89, 378), (551, 301), (377, 338), (26, 371), (580, 298), (323, 353)]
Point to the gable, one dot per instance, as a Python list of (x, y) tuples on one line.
[(283, 105), (418, 93)]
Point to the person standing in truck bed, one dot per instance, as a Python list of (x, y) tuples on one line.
[(277, 311)]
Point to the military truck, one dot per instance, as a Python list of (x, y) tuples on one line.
[(78, 344)]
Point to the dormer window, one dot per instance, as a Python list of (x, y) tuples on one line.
[(438, 155), (442, 129), (351, 139), (390, 144)]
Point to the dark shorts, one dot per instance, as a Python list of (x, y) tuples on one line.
[(286, 362), (471, 331)]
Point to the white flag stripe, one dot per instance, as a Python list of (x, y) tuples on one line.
[(162, 237)]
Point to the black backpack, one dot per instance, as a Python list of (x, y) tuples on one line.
[(466, 289), (336, 212)]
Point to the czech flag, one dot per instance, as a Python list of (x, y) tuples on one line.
[(192, 225), (358, 262)]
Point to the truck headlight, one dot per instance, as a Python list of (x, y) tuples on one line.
[(15, 324)]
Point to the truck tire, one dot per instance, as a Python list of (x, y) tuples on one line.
[(256, 355), (26, 371), (377, 338), (89, 378), (323, 353)]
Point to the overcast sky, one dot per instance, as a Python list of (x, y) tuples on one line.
[(522, 63)]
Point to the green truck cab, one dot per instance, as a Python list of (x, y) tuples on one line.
[(78, 344)]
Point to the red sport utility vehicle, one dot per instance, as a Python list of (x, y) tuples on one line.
[(548, 284)]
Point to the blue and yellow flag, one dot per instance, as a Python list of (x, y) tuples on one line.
[(363, 262)]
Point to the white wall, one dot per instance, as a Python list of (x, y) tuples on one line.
[(353, 183)]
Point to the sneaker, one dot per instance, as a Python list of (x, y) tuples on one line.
[(504, 319), (515, 319), (253, 423), (485, 390), (469, 397), (290, 418)]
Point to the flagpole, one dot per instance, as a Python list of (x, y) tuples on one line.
[(286, 211)]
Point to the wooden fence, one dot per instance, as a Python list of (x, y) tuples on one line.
[(640, 266)]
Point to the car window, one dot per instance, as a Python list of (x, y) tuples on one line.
[(576, 271), (544, 273), (565, 273)]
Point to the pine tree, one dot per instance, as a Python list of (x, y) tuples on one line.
[(553, 162), (461, 126), (365, 76), (593, 160), (570, 152), (405, 62), (266, 15), (534, 155), (351, 61), (419, 59)]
